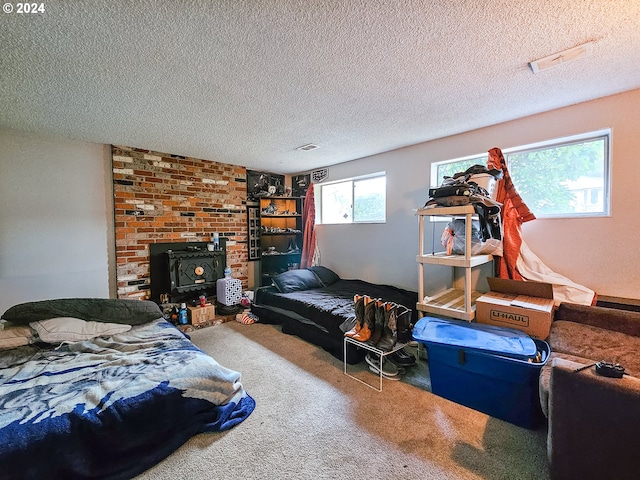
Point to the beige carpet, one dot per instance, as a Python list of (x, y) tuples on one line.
[(312, 421)]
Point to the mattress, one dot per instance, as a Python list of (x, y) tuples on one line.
[(111, 406)]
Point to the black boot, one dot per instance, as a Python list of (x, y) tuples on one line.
[(376, 334), (404, 326), (388, 340)]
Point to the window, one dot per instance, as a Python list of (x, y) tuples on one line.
[(564, 178), (359, 200)]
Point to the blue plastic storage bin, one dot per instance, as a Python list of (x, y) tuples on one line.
[(490, 369)]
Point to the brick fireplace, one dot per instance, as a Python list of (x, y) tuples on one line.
[(159, 197)]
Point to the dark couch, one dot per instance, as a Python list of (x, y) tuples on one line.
[(592, 419)]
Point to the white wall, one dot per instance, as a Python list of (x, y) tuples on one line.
[(56, 218), (600, 253)]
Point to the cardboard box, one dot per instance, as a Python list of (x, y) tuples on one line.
[(200, 315), (526, 306)]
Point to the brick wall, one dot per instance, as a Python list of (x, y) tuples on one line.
[(160, 197)]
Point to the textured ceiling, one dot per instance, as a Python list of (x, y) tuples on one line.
[(246, 82)]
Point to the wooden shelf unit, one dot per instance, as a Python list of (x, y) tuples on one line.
[(454, 302)]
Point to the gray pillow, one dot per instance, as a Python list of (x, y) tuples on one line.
[(326, 275), (295, 280), (129, 312)]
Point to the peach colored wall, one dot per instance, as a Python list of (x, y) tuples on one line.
[(600, 253), (35, 219)]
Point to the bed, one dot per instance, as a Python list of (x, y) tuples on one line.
[(317, 305), (99, 388)]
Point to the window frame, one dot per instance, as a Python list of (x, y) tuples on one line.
[(604, 134), (353, 180)]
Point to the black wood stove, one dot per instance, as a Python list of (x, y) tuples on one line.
[(182, 271)]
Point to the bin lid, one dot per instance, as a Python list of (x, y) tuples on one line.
[(487, 338)]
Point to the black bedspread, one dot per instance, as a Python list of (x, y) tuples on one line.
[(331, 308)]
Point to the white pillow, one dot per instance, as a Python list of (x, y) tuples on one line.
[(69, 329), (12, 337)]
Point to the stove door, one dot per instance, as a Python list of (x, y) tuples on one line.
[(193, 271)]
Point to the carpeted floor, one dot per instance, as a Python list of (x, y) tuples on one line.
[(312, 421)]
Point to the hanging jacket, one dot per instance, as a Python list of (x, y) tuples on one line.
[(514, 213)]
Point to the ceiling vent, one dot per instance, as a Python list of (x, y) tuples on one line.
[(561, 57), (308, 147)]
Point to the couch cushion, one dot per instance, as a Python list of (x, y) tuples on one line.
[(586, 344), (610, 318), (597, 344)]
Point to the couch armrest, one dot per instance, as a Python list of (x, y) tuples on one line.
[(624, 321), (592, 424)]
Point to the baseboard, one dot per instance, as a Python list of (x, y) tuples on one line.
[(620, 303)]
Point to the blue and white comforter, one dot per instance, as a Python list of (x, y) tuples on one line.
[(111, 407)]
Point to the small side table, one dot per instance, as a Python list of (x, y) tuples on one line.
[(381, 354)]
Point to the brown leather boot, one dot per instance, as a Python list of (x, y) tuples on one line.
[(376, 334), (369, 320), (359, 308)]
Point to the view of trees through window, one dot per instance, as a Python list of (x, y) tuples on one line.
[(564, 179), (369, 200), (353, 201)]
